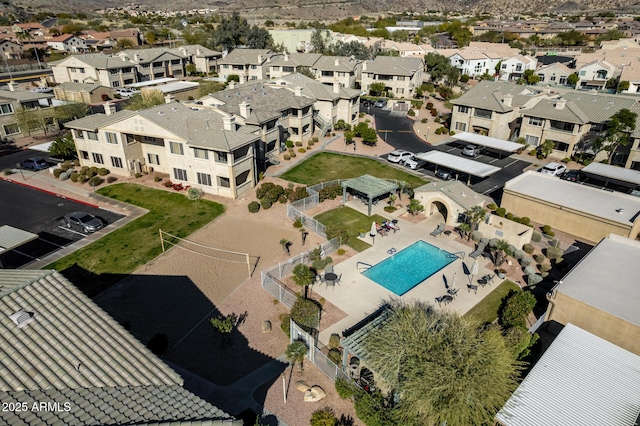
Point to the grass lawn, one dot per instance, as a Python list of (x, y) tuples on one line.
[(487, 309), (352, 221), (106, 261), (326, 166)]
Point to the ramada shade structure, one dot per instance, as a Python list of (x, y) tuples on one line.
[(369, 186)]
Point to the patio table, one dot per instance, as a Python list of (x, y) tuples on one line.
[(330, 277)]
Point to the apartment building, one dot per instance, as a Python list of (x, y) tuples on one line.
[(201, 148), (555, 73), (343, 70), (515, 67), (14, 100), (401, 76), (595, 74), (247, 64), (95, 68), (67, 43), (292, 63), (10, 49)]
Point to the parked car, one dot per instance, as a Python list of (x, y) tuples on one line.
[(126, 92), (572, 175), (381, 103), (42, 90), (35, 164), (554, 169), (414, 163), (82, 221), (399, 156), (472, 151), (443, 174)]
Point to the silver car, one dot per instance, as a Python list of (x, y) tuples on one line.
[(472, 151), (82, 221)]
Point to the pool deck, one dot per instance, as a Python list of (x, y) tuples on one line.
[(358, 296)]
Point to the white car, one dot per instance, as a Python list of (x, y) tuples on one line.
[(127, 93), (414, 163), (554, 169), (399, 156)]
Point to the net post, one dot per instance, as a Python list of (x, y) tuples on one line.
[(161, 240), (248, 265)]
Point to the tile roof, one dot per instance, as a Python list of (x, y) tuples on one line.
[(598, 107), (24, 95), (390, 65), (457, 191), (314, 89), (296, 60), (88, 87), (93, 122), (344, 63), (96, 60), (560, 66), (247, 56), (72, 351), (546, 108)]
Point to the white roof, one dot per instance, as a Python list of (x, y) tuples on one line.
[(610, 265), (152, 82), (176, 87), (454, 162), (613, 172), (608, 205), (11, 237), (581, 380), (493, 143)]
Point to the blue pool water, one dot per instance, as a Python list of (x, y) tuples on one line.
[(407, 268)]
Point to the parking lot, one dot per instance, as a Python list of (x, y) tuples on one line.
[(43, 214)]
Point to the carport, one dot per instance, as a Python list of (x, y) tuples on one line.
[(487, 142), (615, 174), (11, 237), (368, 187), (454, 162)]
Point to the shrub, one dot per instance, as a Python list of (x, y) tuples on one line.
[(451, 133), (550, 234), (65, 165), (76, 163), (285, 324), (534, 279), (337, 231), (533, 152), (434, 112), (566, 160), (476, 236), (341, 252), (492, 206), (286, 157), (314, 139), (305, 313), (138, 175), (289, 144), (103, 171), (546, 229), (292, 154), (436, 120), (536, 237), (57, 172), (330, 192), (429, 105), (110, 179), (389, 209), (323, 417), (64, 176), (297, 223), (334, 341), (526, 261), (168, 184), (335, 355), (424, 120), (411, 112), (553, 252), (438, 131), (83, 179), (254, 207), (344, 388), (501, 211), (193, 193), (544, 267), (74, 177), (265, 203), (7, 172), (509, 216), (528, 248), (516, 308), (538, 257), (96, 181), (525, 220), (302, 150), (298, 143), (157, 179), (84, 170), (519, 254)]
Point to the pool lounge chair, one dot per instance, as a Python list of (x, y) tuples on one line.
[(439, 230), (478, 251), (381, 230)]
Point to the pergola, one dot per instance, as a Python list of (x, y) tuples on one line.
[(11, 237), (369, 186)]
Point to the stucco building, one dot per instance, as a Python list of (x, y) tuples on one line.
[(400, 76)]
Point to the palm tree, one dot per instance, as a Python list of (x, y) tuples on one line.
[(476, 214), (500, 251), (465, 230), (25, 35), (303, 276), (296, 352)]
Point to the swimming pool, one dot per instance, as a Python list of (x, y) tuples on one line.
[(407, 268)]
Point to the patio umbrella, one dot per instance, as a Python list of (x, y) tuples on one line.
[(374, 230), (453, 281), (474, 269)]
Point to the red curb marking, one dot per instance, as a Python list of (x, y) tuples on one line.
[(50, 192)]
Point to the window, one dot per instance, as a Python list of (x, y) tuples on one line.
[(254, 67), (84, 155), (561, 146), (327, 73), (226, 67), (541, 77), (175, 61), (203, 154), (6, 109), (11, 129), (583, 73), (114, 72), (157, 64), (115, 84), (176, 148), (461, 127), (116, 162), (97, 158), (535, 121), (92, 135), (562, 126), (401, 78), (221, 157), (111, 137), (463, 109), (153, 159), (158, 74), (400, 90), (254, 77), (204, 179), (128, 69), (553, 78), (180, 174), (519, 67), (145, 65), (504, 66), (482, 113), (532, 140), (276, 68), (223, 182)]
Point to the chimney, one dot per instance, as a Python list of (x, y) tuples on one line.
[(336, 87), (229, 123), (198, 51), (169, 98), (298, 91), (507, 100), (259, 59), (13, 86), (109, 108), (560, 103), (231, 85), (184, 51), (245, 109), (364, 65), (286, 57), (336, 62), (136, 57)]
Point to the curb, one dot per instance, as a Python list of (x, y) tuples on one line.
[(51, 192)]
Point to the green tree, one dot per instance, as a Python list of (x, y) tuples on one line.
[(70, 111), (151, 37), (124, 43), (531, 77), (269, 23), (233, 77), (516, 308), (476, 214), (34, 119), (303, 276), (63, 147), (190, 68), (500, 251), (231, 32), (465, 230), (414, 207), (324, 417), (146, 99), (296, 352), (72, 28), (443, 367), (377, 89), (438, 66), (353, 48), (617, 133), (546, 148), (573, 79), (348, 136), (258, 38), (623, 85), (321, 42)]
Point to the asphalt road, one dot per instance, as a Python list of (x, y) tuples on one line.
[(40, 213), (10, 161)]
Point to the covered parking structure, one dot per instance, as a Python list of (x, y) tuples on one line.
[(460, 164), (11, 237), (496, 144), (368, 187), (614, 174)]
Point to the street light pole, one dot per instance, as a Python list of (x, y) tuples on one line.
[(427, 136)]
